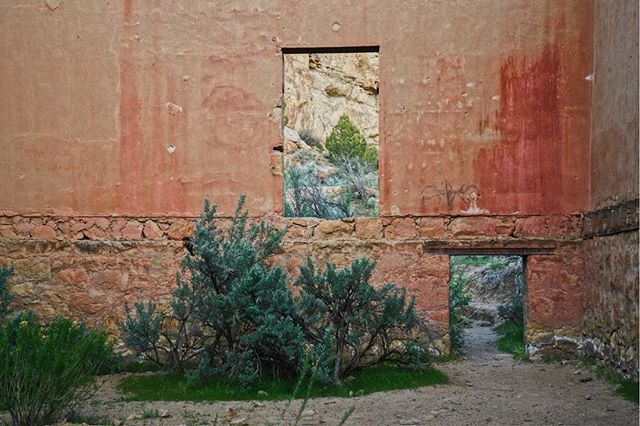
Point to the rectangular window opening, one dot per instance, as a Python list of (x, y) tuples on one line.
[(330, 127)]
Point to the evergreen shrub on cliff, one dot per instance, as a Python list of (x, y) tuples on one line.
[(346, 142)]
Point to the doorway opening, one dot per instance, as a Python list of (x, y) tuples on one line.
[(487, 309), (331, 133)]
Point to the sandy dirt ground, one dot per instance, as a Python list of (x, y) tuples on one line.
[(487, 388)]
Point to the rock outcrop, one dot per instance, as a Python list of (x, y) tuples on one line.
[(319, 88)]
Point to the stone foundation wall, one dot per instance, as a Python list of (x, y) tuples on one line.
[(610, 328), (581, 294), (584, 300), (611, 325), (556, 302), (88, 267)]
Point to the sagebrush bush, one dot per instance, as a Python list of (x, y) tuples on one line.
[(168, 339), (5, 296), (310, 139), (47, 369), (230, 312), (306, 196), (361, 177), (233, 315), (346, 141), (458, 300), (353, 325)]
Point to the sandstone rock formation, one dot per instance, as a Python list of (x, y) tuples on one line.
[(319, 88)]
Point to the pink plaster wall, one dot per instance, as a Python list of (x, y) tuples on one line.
[(489, 95), (614, 134)]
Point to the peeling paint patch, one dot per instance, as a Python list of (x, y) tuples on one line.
[(473, 206), (53, 4), (173, 108)]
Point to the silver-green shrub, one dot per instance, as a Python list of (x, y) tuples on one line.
[(46, 370)]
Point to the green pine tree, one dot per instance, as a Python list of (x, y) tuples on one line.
[(346, 142)]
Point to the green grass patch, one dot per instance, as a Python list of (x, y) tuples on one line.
[(512, 340), (172, 387), (627, 388)]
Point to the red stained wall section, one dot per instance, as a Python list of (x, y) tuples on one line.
[(524, 170)]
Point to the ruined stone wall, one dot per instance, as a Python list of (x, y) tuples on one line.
[(88, 267), (611, 227), (119, 117), (611, 326)]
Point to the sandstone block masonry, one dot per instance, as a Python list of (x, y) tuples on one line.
[(87, 267), (610, 327), (581, 271)]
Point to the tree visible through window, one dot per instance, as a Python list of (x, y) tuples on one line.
[(330, 128)]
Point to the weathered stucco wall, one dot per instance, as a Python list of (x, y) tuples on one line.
[(614, 134), (485, 96), (611, 229)]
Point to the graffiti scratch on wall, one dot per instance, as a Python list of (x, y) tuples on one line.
[(466, 193)]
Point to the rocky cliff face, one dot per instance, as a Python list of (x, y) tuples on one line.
[(319, 88)]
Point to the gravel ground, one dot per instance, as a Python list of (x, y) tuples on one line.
[(487, 388)]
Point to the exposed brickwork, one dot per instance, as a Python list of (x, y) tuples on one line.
[(503, 228), (610, 326), (89, 279), (87, 267)]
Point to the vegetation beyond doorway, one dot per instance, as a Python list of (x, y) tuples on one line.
[(488, 291)]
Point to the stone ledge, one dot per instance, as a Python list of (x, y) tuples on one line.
[(612, 220), (400, 228)]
